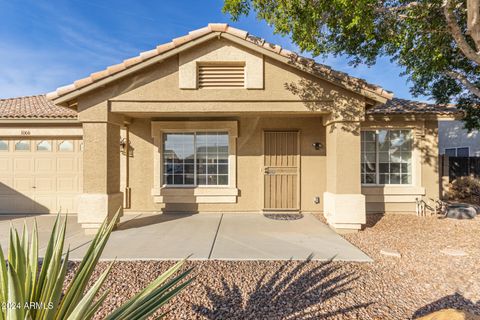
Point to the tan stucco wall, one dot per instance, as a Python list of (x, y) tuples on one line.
[(290, 99), (249, 164), (282, 82), (401, 199)]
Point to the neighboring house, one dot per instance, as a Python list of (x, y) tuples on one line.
[(218, 121), (455, 141)]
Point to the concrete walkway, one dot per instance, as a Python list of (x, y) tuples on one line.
[(229, 236)]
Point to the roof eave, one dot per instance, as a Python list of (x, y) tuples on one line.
[(416, 115), (63, 99), (272, 54), (40, 120), (379, 95)]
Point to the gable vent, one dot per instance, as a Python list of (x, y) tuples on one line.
[(221, 76)]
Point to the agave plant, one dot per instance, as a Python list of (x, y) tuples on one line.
[(28, 291)]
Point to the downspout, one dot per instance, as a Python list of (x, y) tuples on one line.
[(127, 168)]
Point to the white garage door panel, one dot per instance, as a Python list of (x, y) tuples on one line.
[(45, 165), (24, 203), (45, 185), (6, 164), (45, 203), (7, 203), (23, 164), (46, 181), (66, 204), (6, 186), (23, 184)]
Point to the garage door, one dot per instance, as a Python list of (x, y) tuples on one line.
[(40, 175)]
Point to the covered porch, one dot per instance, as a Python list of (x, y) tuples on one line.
[(234, 163)]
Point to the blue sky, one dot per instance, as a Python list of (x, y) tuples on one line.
[(47, 44)]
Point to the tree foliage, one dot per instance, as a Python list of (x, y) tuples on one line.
[(436, 41)]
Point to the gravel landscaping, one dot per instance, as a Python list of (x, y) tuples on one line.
[(437, 268)]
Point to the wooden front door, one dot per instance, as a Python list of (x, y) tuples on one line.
[(281, 171)]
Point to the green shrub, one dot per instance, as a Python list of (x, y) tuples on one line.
[(28, 291)]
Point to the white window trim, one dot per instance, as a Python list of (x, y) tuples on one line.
[(416, 157), (164, 193)]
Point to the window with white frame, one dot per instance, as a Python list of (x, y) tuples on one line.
[(458, 152), (195, 159), (3, 145), (65, 146), (22, 145), (44, 145), (386, 157)]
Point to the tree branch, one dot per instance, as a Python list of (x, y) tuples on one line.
[(457, 33), (398, 8), (463, 79), (473, 21)]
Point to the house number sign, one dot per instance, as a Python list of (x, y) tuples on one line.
[(41, 131)]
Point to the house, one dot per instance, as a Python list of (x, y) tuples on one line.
[(218, 121), (455, 141)]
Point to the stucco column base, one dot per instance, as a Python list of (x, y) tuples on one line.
[(344, 212), (93, 208)]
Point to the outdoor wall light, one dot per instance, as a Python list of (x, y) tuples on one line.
[(123, 147), (317, 145), (123, 144)]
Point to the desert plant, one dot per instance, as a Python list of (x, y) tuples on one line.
[(465, 189), (28, 291)]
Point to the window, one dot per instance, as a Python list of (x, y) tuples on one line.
[(458, 152), (22, 145), (451, 152), (386, 157), (463, 152), (195, 158), (3, 145), (65, 146), (44, 146)]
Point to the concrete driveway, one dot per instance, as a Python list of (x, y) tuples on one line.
[(250, 236)]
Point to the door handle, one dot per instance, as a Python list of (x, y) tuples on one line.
[(34, 187), (268, 172)]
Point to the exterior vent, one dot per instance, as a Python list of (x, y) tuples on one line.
[(221, 76)]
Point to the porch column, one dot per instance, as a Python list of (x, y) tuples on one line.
[(344, 203), (101, 196)]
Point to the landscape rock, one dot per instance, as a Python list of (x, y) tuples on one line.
[(390, 253), (450, 314), (453, 252), (422, 281)]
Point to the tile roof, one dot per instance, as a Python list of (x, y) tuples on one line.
[(308, 65), (403, 106), (34, 107), (39, 107)]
